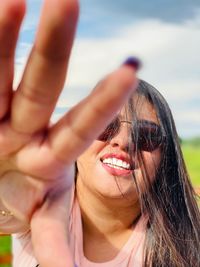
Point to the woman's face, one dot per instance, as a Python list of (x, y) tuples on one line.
[(106, 169)]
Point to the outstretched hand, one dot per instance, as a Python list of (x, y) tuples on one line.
[(36, 159)]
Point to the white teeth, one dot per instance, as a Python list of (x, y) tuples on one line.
[(125, 165), (108, 160), (114, 161), (117, 163)]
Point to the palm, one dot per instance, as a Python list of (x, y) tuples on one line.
[(36, 161)]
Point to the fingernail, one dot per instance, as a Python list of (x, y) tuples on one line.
[(133, 62)]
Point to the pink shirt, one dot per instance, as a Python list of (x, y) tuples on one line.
[(129, 256)]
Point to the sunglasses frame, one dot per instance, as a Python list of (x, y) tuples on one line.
[(141, 136)]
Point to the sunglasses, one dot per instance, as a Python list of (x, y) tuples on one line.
[(146, 135)]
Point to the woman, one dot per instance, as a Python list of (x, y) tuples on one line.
[(131, 204), (133, 175)]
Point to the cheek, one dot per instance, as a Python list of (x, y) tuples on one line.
[(151, 162), (92, 151), (83, 164), (88, 158), (145, 174)]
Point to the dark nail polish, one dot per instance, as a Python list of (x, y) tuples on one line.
[(133, 62)]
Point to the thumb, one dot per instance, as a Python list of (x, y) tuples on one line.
[(49, 230)]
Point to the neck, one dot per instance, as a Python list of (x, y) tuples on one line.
[(104, 216)]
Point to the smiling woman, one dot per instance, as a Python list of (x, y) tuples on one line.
[(72, 193), (136, 165), (129, 189)]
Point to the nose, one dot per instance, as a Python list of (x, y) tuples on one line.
[(121, 139)]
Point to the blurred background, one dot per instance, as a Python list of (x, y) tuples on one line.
[(164, 34)]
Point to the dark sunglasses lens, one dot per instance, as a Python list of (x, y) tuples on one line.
[(146, 135), (149, 136), (111, 130)]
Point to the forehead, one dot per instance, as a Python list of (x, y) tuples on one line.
[(140, 109)]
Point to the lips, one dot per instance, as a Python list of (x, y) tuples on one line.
[(117, 164)]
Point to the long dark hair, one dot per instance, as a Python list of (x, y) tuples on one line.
[(173, 229)]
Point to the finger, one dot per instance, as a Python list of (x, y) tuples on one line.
[(49, 228), (11, 15), (77, 129), (45, 72)]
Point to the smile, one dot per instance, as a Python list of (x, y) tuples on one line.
[(116, 163)]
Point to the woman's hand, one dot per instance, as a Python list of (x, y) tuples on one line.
[(36, 159)]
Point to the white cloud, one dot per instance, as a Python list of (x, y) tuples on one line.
[(170, 54)]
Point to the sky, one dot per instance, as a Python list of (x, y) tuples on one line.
[(164, 34)]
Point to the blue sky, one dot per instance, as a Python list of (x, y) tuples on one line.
[(165, 34)]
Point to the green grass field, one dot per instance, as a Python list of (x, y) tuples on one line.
[(4, 244), (4, 248), (192, 159)]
